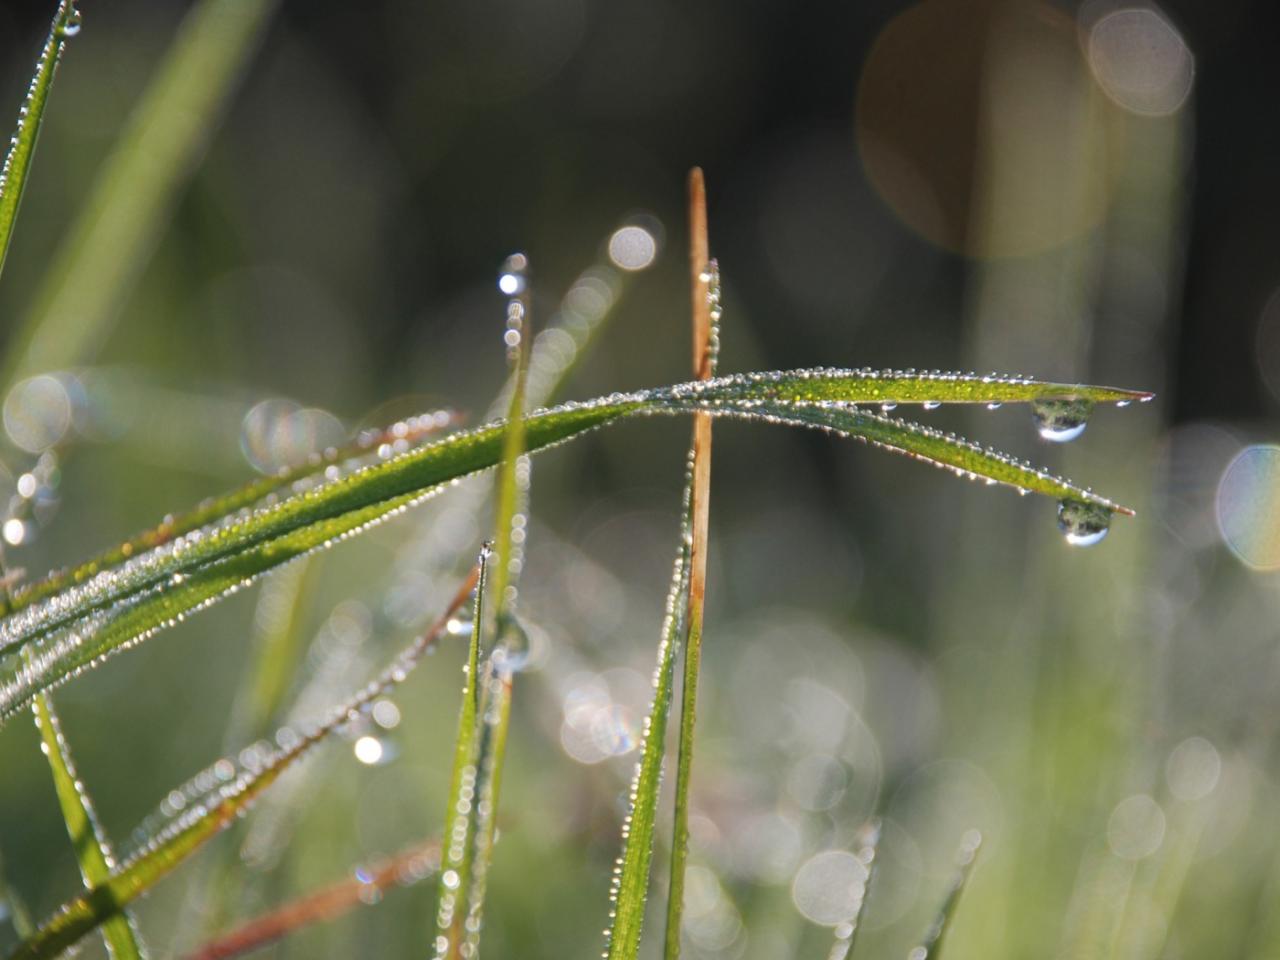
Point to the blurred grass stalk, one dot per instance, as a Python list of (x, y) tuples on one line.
[(128, 207), (1071, 665)]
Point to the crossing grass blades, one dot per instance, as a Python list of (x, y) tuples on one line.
[(56, 628)]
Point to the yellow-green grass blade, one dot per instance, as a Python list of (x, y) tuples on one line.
[(17, 162), (164, 850), (93, 851)]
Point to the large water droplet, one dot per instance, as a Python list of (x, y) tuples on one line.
[(1083, 524), (71, 25), (1061, 420)]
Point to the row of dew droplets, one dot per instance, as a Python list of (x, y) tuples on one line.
[(499, 647), (510, 649)]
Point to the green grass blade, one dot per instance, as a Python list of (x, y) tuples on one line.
[(93, 851), (129, 204), (931, 947), (705, 286), (307, 520), (160, 853), (876, 387), (928, 445), (172, 579), (486, 708), (365, 449), (17, 162), (459, 822), (629, 890)]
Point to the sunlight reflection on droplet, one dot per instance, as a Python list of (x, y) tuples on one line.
[(1141, 61), (1135, 828), (37, 413), (632, 248), (828, 888), (1193, 769), (386, 714), (371, 751), (1248, 506)]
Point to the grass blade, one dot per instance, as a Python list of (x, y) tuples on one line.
[(366, 448), (172, 579), (878, 387), (629, 889), (17, 163), (121, 221), (486, 706), (161, 852), (705, 287), (931, 947), (928, 445), (409, 866), (93, 851)]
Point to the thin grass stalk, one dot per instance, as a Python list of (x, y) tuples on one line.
[(457, 838), (17, 162), (122, 219), (482, 729), (705, 300), (162, 852), (322, 906)]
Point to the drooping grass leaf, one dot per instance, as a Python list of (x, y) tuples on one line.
[(174, 578), (410, 866), (931, 947), (181, 833), (120, 222), (17, 162), (928, 445), (704, 283), (93, 850)]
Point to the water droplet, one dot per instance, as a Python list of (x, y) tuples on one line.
[(71, 26), (888, 405), (932, 404), (1083, 524), (994, 405), (1061, 420)]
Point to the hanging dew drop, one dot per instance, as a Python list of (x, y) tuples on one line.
[(1083, 524), (1061, 420), (932, 404), (71, 25)]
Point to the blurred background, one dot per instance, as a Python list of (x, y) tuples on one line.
[(255, 228)]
